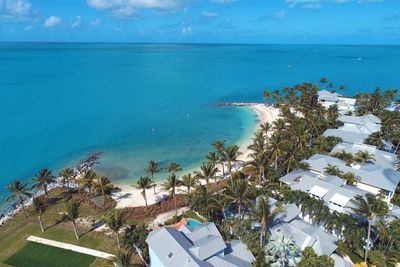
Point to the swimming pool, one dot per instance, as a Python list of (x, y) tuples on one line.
[(192, 222)]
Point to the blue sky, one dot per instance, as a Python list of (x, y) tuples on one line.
[(202, 21)]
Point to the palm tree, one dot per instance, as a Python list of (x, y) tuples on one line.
[(88, 179), (115, 222), (363, 157), (66, 175), (263, 213), (103, 186), (170, 185), (259, 163), (266, 95), (219, 146), (343, 155), (370, 208), (239, 192), (39, 206), (124, 257), (144, 183), (375, 139), (188, 181), (275, 149), (174, 167), (152, 168), (231, 154), (18, 190), (332, 170), (73, 214), (212, 158), (204, 202), (43, 179), (207, 171)]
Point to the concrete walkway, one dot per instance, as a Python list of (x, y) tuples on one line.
[(66, 246)]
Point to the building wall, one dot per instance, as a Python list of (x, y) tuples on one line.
[(154, 260), (368, 188)]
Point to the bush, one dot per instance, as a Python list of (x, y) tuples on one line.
[(377, 258)]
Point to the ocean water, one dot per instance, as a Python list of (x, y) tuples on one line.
[(59, 102)]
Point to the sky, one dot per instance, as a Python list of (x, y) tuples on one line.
[(202, 21)]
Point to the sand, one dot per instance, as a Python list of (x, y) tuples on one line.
[(129, 196)]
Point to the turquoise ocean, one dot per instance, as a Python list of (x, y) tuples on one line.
[(139, 102)]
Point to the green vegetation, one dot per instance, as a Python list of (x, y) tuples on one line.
[(34, 254)]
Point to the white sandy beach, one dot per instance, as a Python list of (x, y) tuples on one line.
[(129, 196)]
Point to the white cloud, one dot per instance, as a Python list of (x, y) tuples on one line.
[(95, 22), (223, 1), (15, 9), (52, 21), (280, 14), (77, 22), (187, 30), (314, 4), (128, 8), (210, 14)]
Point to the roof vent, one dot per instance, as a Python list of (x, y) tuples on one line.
[(170, 255), (297, 179)]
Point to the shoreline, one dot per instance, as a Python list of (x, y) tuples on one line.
[(129, 196)]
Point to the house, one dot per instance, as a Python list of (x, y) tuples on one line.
[(382, 158), (366, 124), (373, 178), (331, 189), (328, 99), (200, 245)]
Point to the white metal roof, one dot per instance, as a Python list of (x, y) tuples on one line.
[(318, 191), (340, 199)]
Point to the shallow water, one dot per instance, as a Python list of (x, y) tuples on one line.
[(59, 102)]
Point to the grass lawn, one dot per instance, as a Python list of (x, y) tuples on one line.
[(14, 233), (34, 254)]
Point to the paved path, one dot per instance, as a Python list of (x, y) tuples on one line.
[(62, 245)]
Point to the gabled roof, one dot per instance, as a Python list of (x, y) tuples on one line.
[(176, 253), (239, 250), (346, 136), (370, 174), (207, 246), (327, 96), (382, 158), (360, 119)]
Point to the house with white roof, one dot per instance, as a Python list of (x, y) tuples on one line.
[(200, 245), (328, 99), (373, 178), (331, 189)]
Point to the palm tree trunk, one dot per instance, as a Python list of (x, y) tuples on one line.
[(40, 223), (154, 186), (261, 237), (75, 230), (118, 242), (368, 236), (176, 210), (240, 209), (223, 169), (145, 198), (45, 190), (23, 206)]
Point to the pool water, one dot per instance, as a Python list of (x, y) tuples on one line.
[(192, 222)]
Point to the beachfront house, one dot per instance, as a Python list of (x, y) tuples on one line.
[(304, 234), (328, 99), (373, 178), (199, 245), (334, 191)]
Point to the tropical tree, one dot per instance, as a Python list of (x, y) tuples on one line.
[(39, 207), (350, 178), (115, 222), (212, 158), (281, 251), (204, 202), (371, 208), (266, 95), (188, 181), (171, 184), (103, 186), (144, 183), (18, 191), (43, 179), (123, 258), (66, 175), (363, 157), (259, 163), (207, 172), (375, 139), (311, 259), (231, 156), (152, 168), (263, 213), (238, 191), (88, 180), (73, 214), (343, 155), (332, 170), (173, 167)]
